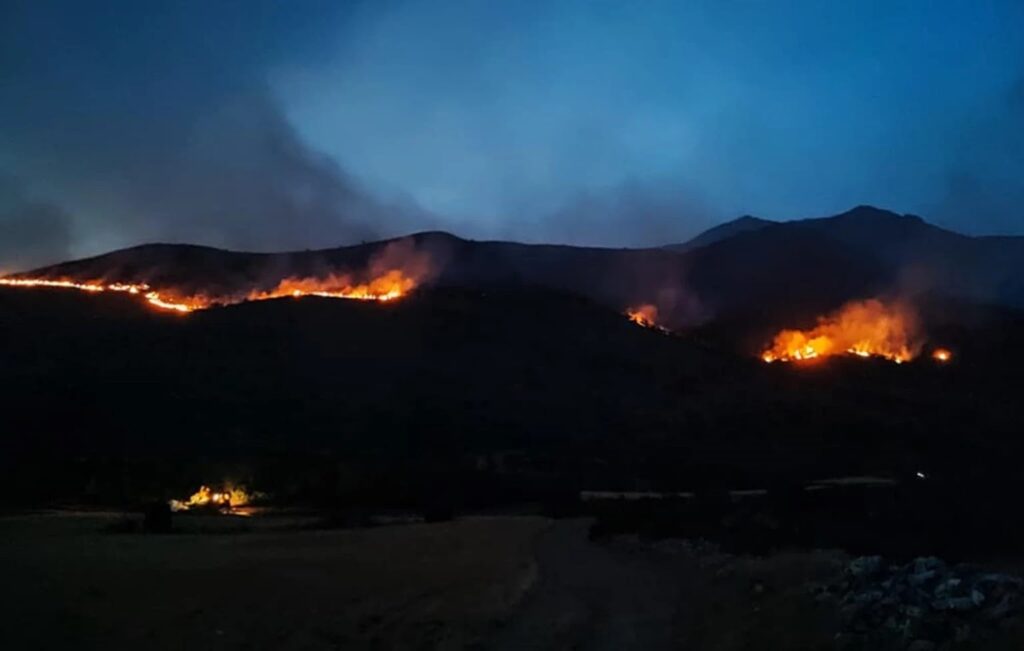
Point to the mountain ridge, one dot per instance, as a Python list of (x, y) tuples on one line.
[(743, 265), (722, 231)]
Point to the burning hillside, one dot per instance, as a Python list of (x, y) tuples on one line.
[(153, 297), (863, 328), (393, 284), (395, 272), (644, 315)]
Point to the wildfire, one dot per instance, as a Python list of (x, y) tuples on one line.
[(942, 355), (151, 296), (863, 328), (391, 285), (645, 315), (395, 272), (226, 499)]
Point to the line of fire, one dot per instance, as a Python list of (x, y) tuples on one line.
[(394, 284), (395, 271), (869, 328)]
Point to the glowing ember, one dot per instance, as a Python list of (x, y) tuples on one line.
[(645, 315), (227, 499), (862, 328), (942, 355)]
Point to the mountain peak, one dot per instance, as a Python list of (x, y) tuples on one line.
[(744, 224), (748, 220), (866, 212)]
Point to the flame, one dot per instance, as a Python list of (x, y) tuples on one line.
[(942, 355), (388, 287), (393, 284), (645, 315), (863, 328), (227, 499), (397, 270), (151, 296)]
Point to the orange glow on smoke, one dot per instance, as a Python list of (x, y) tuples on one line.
[(863, 328), (393, 273), (645, 315)]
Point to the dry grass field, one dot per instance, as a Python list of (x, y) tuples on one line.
[(67, 585), (504, 583)]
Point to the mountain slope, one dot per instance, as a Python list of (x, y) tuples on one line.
[(743, 266), (617, 278), (933, 259), (819, 263), (744, 224), (102, 396), (784, 267)]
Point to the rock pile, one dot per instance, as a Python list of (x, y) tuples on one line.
[(922, 605)]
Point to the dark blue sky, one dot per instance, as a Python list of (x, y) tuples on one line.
[(269, 125)]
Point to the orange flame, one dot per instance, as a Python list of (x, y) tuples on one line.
[(863, 328), (393, 273), (228, 498), (393, 284), (645, 315), (151, 296), (942, 355)]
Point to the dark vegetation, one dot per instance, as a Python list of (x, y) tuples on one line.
[(514, 378), (787, 268), (972, 520), (462, 395)]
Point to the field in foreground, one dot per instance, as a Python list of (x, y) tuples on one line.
[(67, 585), (478, 583)]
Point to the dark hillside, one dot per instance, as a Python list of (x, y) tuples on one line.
[(107, 398)]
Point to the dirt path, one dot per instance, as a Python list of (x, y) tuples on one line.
[(589, 596)]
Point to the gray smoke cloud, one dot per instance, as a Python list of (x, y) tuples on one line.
[(32, 232), (238, 177), (633, 214), (154, 124), (984, 180), (266, 125)]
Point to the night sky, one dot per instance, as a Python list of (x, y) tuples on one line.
[(277, 125)]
